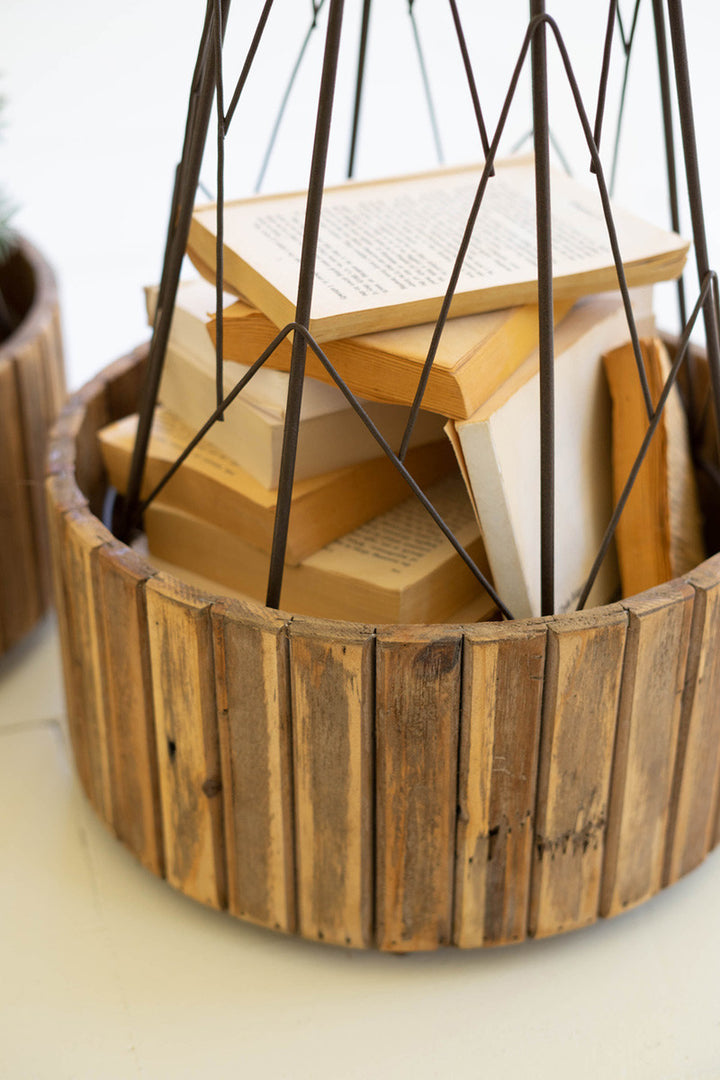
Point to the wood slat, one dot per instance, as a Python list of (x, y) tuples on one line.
[(89, 467), (37, 412), (417, 717), (119, 577), (580, 699), (20, 605), (500, 725), (332, 677), (253, 698), (696, 787), (181, 656), (77, 535), (645, 743)]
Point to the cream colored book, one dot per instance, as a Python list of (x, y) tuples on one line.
[(194, 307), (331, 436), (659, 533), (211, 486), (386, 248), (397, 568), (252, 436), (500, 450)]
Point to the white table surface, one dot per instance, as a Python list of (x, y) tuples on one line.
[(105, 971)]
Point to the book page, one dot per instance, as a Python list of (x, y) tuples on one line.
[(396, 241)]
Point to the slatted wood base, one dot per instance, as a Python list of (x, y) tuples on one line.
[(32, 389), (394, 787)]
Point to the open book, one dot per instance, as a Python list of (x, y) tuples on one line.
[(499, 449), (386, 248)]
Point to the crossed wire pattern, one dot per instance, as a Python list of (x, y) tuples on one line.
[(208, 85)]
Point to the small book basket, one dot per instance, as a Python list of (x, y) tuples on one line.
[(398, 787)]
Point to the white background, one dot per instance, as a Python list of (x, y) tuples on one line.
[(105, 971)]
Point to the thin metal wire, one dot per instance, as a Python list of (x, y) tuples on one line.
[(316, 9), (242, 79), (546, 325), (426, 83), (692, 174), (627, 46), (362, 52), (652, 427), (186, 178), (470, 75), (554, 142), (304, 300), (604, 74), (220, 204)]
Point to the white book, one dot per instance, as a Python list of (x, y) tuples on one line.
[(499, 451)]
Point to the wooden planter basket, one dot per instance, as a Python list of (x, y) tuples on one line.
[(394, 787), (32, 390)]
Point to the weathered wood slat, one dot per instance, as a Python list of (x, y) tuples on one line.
[(77, 536), (696, 788), (646, 739), (417, 716), (582, 683), (332, 676), (119, 577), (251, 664), (37, 411), (181, 656), (502, 699), (20, 605)]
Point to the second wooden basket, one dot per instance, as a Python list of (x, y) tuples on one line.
[(397, 787)]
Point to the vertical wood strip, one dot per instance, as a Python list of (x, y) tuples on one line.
[(36, 415), (580, 699), (253, 699), (181, 654), (647, 729), (500, 725), (332, 677), (119, 577), (417, 717), (19, 594), (696, 787), (63, 495), (78, 534)]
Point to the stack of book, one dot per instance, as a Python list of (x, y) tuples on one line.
[(360, 546)]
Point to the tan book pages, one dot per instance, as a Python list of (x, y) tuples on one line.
[(475, 355), (659, 534), (213, 487), (386, 248)]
